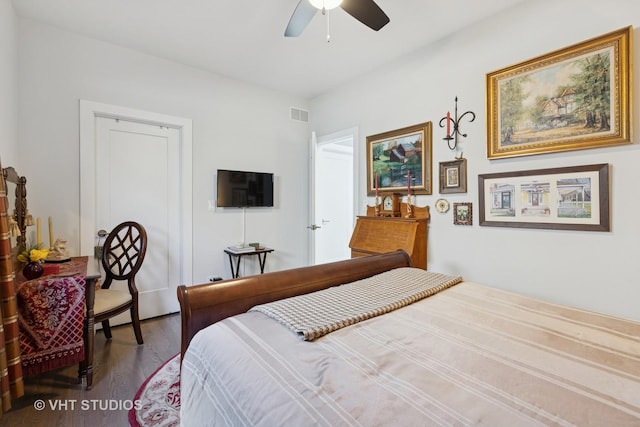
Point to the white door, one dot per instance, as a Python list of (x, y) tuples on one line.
[(332, 196), (137, 174)]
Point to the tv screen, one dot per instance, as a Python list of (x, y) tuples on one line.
[(239, 189)]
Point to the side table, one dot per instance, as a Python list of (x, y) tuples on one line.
[(237, 256), (47, 347)]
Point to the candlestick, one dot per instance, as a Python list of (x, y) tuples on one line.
[(452, 134), (448, 124), (376, 185), (38, 232), (409, 183), (50, 232), (409, 213)]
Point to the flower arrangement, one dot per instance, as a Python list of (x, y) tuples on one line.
[(33, 254)]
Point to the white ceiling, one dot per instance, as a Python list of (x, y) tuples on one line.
[(243, 39)]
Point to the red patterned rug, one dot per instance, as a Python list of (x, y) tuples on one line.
[(159, 398)]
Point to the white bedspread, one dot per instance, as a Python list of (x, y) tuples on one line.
[(469, 355)]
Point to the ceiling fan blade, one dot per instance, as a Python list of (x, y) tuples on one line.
[(300, 19), (367, 12)]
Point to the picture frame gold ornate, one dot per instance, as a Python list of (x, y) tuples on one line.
[(574, 98), (395, 156)]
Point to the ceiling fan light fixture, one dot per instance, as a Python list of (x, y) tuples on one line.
[(365, 11), (325, 4)]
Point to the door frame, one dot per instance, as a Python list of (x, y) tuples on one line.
[(314, 142), (89, 112)]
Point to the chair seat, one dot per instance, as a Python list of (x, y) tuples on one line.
[(108, 299)]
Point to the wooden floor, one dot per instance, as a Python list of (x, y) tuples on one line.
[(120, 367)]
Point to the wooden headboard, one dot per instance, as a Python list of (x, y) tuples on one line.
[(203, 305)]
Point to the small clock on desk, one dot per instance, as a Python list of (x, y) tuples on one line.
[(390, 204)]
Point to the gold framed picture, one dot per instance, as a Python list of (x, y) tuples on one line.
[(400, 160), (575, 98)]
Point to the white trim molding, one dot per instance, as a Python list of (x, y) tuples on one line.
[(89, 112)]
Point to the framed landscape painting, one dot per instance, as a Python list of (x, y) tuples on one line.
[(567, 198), (400, 160), (575, 98)]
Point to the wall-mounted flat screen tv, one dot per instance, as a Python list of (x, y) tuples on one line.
[(240, 189)]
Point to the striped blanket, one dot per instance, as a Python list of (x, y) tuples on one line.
[(316, 314)]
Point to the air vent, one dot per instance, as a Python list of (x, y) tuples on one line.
[(299, 115)]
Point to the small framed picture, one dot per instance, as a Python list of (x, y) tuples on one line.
[(462, 214), (453, 176)]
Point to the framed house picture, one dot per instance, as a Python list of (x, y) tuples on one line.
[(400, 160), (453, 176), (575, 98), (567, 198)]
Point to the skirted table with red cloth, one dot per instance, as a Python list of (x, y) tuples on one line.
[(51, 317)]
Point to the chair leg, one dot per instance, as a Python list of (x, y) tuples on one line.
[(86, 372), (90, 378), (135, 322), (106, 328)]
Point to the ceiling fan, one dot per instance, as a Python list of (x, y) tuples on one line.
[(365, 11)]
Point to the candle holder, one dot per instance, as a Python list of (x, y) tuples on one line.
[(376, 206), (409, 213), (455, 121)]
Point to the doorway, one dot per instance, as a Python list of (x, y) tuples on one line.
[(332, 194), (136, 165)]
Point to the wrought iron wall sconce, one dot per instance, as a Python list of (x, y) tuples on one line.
[(453, 126)]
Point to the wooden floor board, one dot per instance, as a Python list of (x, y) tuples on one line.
[(120, 367)]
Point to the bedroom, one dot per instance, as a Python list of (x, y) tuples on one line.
[(54, 68), (47, 69)]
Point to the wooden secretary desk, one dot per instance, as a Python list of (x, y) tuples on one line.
[(378, 234)]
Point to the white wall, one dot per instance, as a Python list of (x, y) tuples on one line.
[(245, 127), (235, 126), (593, 270), (8, 86)]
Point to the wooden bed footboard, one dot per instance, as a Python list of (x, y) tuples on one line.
[(203, 305)]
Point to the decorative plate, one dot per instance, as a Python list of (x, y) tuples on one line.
[(442, 205)]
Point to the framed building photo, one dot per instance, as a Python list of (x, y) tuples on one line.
[(575, 98), (568, 198), (453, 176), (463, 213), (400, 160)]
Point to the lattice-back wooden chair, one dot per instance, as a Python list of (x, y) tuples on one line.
[(122, 256)]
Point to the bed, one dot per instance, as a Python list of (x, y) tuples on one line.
[(293, 348)]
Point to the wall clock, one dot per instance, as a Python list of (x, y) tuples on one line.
[(442, 205)]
